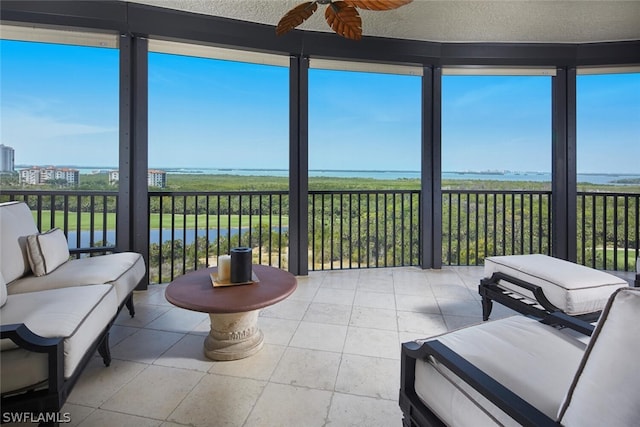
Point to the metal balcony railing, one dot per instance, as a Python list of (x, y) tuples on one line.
[(86, 217), (481, 223), (189, 230), (608, 230), (347, 229), (361, 229)]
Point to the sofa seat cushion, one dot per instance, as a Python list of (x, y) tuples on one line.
[(533, 360), (573, 288), (122, 270), (79, 314)]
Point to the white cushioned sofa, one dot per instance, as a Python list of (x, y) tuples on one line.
[(56, 311), (520, 371)]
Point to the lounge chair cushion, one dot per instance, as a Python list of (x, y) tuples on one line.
[(122, 270), (3, 290), (16, 223), (573, 288), (535, 361), (78, 314), (47, 251), (605, 390)]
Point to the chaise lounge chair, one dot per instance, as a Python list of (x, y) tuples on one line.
[(537, 285)]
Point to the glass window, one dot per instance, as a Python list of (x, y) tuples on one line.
[(496, 128), (219, 151), (59, 111), (496, 138), (363, 125), (217, 117), (60, 115), (608, 164), (364, 169), (608, 130)]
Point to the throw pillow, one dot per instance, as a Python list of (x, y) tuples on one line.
[(47, 251)]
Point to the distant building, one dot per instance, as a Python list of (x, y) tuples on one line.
[(37, 175), (30, 176), (72, 176), (7, 159), (114, 177), (155, 178)]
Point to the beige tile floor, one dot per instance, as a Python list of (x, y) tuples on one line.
[(331, 355)]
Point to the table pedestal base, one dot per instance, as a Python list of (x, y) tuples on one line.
[(233, 336)]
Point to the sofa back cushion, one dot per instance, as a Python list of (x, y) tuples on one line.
[(47, 251), (605, 388), (16, 223)]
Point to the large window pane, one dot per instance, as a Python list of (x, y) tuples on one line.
[(59, 108), (364, 169), (59, 114), (496, 128), (608, 162), (608, 126), (363, 125), (496, 139), (215, 115), (219, 133)]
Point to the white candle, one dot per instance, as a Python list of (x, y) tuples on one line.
[(224, 268)]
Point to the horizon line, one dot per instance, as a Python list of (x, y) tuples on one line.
[(224, 169)]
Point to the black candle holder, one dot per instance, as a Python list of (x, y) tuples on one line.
[(241, 265)]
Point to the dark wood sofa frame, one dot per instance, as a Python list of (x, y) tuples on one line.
[(417, 414), (51, 399)]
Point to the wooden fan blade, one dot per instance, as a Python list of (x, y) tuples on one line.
[(377, 4), (296, 16), (344, 19)]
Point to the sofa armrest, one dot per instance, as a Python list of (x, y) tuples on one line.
[(513, 405), (24, 338)]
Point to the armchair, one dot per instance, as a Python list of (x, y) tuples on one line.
[(519, 371)]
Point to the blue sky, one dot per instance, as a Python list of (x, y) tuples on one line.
[(59, 105)]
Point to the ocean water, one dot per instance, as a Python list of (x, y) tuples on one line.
[(592, 178)]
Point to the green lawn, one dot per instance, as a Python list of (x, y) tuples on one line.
[(181, 221), (631, 257)]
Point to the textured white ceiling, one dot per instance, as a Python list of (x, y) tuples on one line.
[(576, 21)]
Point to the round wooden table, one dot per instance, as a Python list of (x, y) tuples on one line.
[(233, 309)]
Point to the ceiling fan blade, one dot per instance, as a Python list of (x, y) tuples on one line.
[(296, 16), (377, 4), (344, 19)]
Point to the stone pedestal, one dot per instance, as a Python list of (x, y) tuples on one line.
[(233, 336)]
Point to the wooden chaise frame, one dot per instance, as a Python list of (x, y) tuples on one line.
[(490, 290)]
